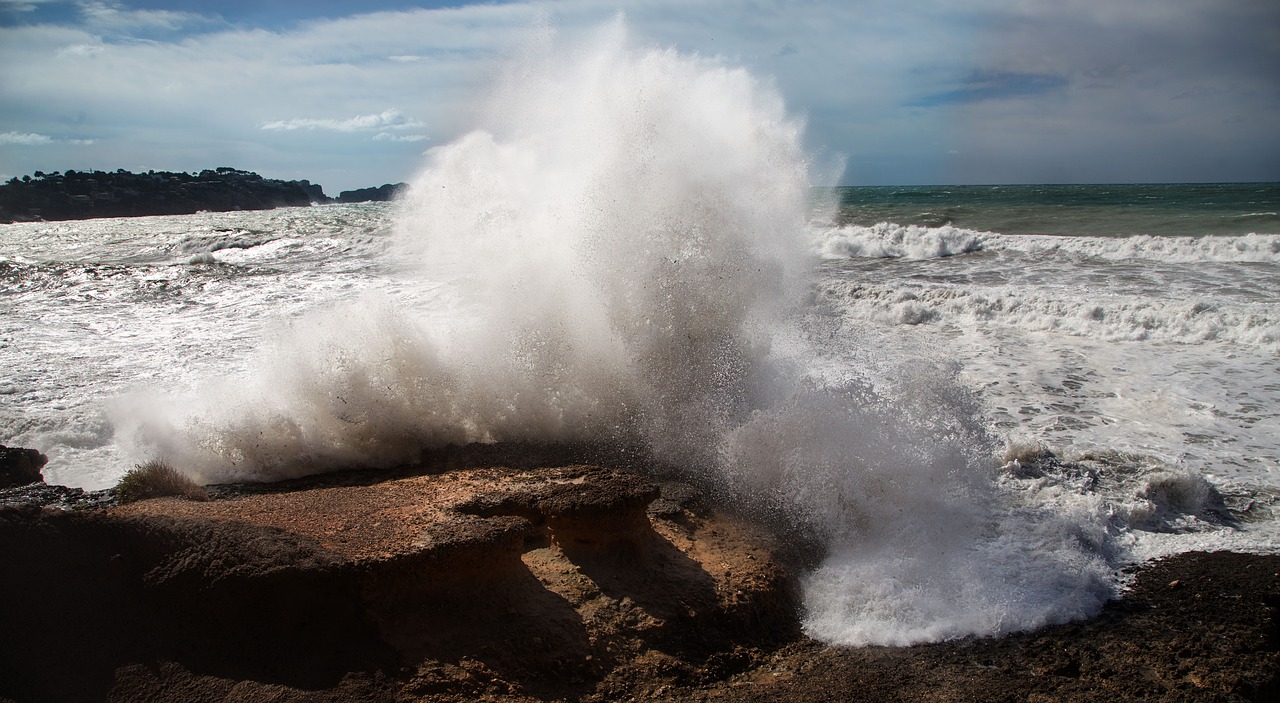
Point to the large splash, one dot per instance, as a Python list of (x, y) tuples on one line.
[(618, 253)]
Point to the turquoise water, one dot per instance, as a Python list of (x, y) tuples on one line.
[(1088, 210)]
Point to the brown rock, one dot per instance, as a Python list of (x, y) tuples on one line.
[(475, 582)]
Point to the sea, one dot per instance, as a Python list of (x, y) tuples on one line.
[(987, 402)]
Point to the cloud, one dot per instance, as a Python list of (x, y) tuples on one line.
[(389, 137), (24, 5), (34, 139), (1009, 85), (80, 51), (115, 18), (391, 118), (24, 139), (19, 6), (995, 86)]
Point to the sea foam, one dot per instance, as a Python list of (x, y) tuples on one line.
[(617, 253), (891, 240)]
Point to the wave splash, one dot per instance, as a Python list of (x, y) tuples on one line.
[(617, 254)]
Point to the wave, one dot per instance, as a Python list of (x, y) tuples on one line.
[(617, 255), (208, 244), (889, 240), (886, 240), (1112, 317)]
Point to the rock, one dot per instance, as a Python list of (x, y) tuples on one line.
[(44, 495), (541, 584), (382, 193), (19, 467), (471, 584)]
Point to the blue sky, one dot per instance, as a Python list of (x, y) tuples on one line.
[(906, 91)]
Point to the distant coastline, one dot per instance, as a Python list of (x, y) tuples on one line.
[(80, 195)]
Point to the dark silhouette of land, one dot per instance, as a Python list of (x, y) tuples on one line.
[(79, 195)]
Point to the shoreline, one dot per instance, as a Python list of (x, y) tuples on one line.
[(561, 582)]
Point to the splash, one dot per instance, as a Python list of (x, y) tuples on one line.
[(618, 254), (625, 228)]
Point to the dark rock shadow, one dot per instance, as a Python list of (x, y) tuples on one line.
[(671, 588), (86, 593), (506, 620)]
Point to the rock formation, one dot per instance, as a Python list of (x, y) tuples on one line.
[(382, 193), (19, 467), (575, 583)]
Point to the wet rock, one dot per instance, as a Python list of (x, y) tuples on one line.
[(46, 495), (19, 467)]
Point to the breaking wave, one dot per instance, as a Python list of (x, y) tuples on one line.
[(616, 255), (889, 240), (1134, 318)]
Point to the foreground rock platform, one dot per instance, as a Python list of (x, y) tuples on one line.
[(490, 581), (574, 583)]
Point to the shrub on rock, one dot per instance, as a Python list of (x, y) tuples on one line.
[(157, 479)]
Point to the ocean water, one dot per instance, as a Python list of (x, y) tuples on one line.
[(986, 401)]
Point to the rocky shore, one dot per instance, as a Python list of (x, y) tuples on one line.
[(536, 583)]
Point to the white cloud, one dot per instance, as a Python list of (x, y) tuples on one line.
[(115, 18), (389, 137), (24, 139), (391, 118), (79, 51), (34, 139)]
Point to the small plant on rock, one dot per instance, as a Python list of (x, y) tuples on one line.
[(157, 479)]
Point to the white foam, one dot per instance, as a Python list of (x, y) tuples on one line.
[(887, 240), (1111, 316), (890, 240)]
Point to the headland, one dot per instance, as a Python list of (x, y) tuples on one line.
[(78, 195)]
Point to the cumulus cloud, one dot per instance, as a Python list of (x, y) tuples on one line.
[(35, 139), (391, 118), (25, 139), (389, 137)]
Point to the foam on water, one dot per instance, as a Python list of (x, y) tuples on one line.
[(95, 308), (890, 240)]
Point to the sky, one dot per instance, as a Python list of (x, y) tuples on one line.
[(350, 95)]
